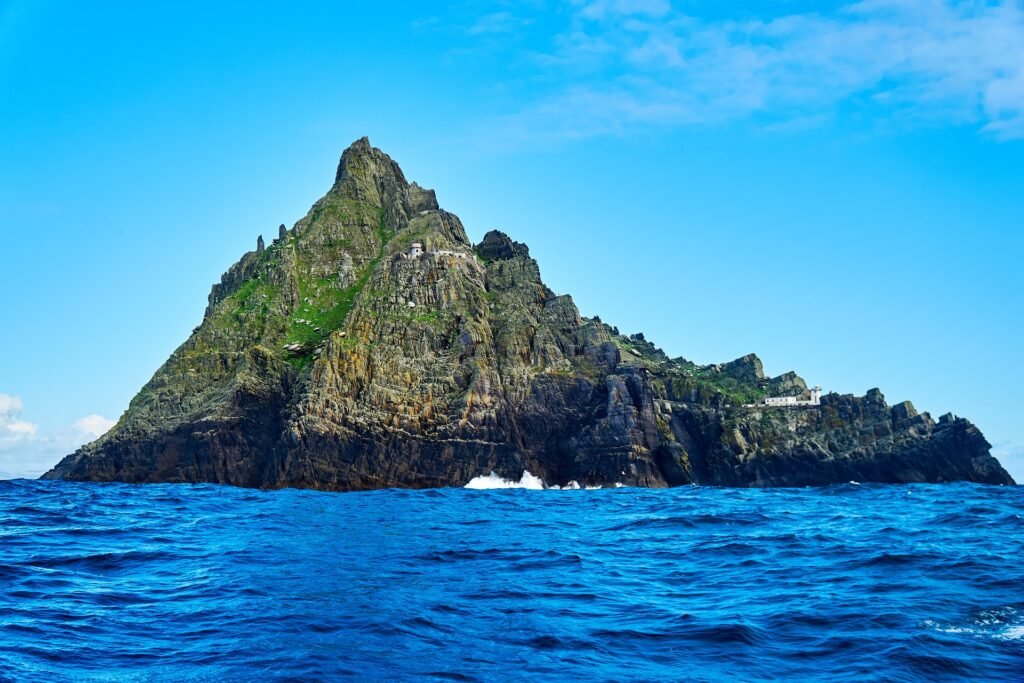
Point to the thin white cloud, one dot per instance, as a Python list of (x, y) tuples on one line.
[(1004, 104), (19, 429), (600, 9), (10, 404), (26, 451), (94, 426), (14, 430), (498, 22), (1011, 457), (617, 65)]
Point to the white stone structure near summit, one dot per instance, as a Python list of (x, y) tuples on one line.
[(448, 252), (416, 251), (774, 401)]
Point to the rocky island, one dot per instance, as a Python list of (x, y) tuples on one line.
[(373, 345)]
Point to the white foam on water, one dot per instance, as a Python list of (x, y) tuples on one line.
[(1013, 633), (948, 629), (989, 624), (527, 481), (493, 481)]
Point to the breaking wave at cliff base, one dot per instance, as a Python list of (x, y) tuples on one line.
[(527, 481), (494, 481)]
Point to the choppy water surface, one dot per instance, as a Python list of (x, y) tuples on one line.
[(114, 582)]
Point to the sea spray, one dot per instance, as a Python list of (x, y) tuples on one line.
[(493, 481)]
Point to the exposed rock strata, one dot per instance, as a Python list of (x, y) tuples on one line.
[(333, 360)]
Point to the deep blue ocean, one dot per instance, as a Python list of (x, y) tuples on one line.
[(111, 582)]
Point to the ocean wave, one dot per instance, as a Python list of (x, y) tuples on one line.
[(493, 481), (168, 583)]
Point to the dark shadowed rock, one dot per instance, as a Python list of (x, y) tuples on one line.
[(497, 246)]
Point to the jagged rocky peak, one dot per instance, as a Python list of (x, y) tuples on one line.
[(904, 412), (367, 175), (497, 246), (786, 384), (362, 162), (747, 368), (510, 267), (339, 357), (422, 199)]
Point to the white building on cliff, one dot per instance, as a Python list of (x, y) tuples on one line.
[(416, 251), (784, 401)]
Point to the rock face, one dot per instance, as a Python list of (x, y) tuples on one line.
[(333, 359)]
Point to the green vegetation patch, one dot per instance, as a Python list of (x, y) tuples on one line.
[(735, 392), (324, 307)]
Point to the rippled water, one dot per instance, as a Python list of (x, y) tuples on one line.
[(115, 582)]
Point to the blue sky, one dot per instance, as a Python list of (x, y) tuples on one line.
[(835, 186)]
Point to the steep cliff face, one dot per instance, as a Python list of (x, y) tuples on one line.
[(335, 359)]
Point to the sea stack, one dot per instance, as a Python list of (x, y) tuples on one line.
[(333, 360)]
